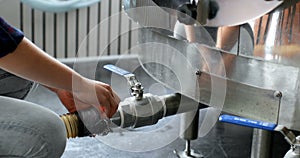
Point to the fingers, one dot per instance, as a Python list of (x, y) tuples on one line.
[(71, 104), (114, 103), (117, 98), (105, 103), (104, 98), (109, 101), (114, 107)]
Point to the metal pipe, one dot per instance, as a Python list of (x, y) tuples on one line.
[(137, 113), (132, 113)]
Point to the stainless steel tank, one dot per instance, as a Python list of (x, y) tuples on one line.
[(256, 78)]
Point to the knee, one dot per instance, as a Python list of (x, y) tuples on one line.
[(36, 129), (55, 134), (45, 137)]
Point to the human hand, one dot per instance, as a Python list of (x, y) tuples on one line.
[(90, 93)]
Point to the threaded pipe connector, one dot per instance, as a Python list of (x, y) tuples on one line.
[(71, 122), (93, 124)]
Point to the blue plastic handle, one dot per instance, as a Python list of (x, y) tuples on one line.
[(247, 122), (116, 69)]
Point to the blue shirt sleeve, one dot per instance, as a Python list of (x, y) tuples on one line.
[(10, 37)]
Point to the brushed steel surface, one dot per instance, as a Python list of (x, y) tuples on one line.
[(251, 83), (229, 13)]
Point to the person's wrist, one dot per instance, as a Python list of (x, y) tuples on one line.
[(83, 89), (79, 84)]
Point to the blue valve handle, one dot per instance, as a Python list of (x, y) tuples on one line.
[(247, 122), (116, 70)]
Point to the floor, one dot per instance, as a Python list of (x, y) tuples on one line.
[(222, 141)]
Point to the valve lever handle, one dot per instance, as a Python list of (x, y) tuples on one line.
[(136, 87), (288, 135), (247, 122), (131, 79), (116, 70)]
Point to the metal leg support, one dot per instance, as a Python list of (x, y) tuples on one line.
[(189, 129), (261, 142)]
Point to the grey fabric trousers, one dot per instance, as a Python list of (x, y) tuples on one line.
[(13, 86), (26, 129)]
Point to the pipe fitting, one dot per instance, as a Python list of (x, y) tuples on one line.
[(132, 113)]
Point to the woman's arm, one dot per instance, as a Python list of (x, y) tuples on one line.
[(30, 62)]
